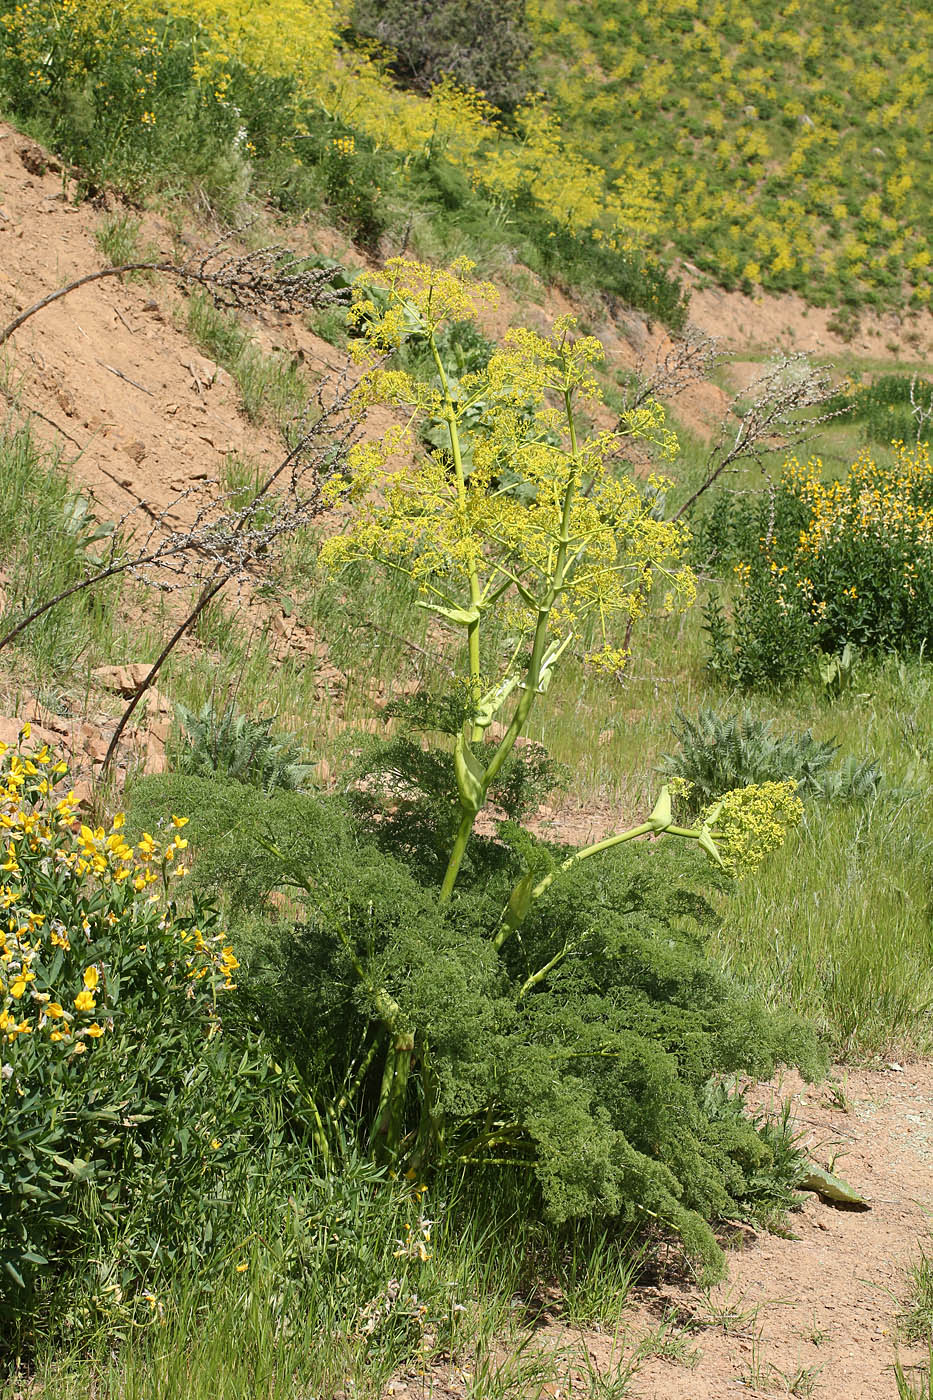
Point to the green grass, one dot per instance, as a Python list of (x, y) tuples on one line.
[(50, 536), (916, 1318), (117, 237), (361, 1306), (273, 389), (915, 1324)]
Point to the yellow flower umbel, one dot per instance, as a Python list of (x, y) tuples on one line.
[(750, 822)]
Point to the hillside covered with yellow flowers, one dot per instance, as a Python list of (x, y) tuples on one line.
[(783, 149)]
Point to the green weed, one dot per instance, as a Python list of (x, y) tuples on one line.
[(117, 237)]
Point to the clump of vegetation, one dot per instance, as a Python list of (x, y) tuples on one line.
[(892, 408), (117, 1056), (719, 753), (841, 562), (485, 47), (218, 740), (39, 503), (561, 1055)]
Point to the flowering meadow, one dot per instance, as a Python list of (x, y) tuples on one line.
[(654, 130)]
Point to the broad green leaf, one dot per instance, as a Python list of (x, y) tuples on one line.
[(831, 1188), (463, 616), (519, 902)]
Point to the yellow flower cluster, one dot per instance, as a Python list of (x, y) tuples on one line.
[(872, 501), (467, 537), (36, 947), (750, 822)]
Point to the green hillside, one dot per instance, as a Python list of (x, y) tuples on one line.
[(790, 145)]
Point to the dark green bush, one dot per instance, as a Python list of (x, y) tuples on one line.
[(482, 44), (893, 406), (595, 1080), (768, 641)]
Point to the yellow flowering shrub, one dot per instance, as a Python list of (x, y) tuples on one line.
[(847, 560), (113, 1034)]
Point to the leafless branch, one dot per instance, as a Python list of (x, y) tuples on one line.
[(267, 277), (922, 412), (777, 419), (676, 366)]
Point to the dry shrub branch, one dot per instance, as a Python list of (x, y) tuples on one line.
[(203, 531)]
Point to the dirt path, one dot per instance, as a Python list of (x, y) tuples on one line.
[(816, 1313)]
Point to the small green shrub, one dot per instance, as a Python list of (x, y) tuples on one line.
[(233, 746), (893, 407), (351, 183), (767, 643), (131, 1091), (720, 753)]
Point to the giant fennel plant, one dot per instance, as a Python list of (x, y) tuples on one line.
[(515, 1013)]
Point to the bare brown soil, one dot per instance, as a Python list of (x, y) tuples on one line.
[(141, 414), (810, 1312)]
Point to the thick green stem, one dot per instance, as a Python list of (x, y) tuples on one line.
[(586, 851), (456, 453), (390, 1113), (464, 830), (532, 678)]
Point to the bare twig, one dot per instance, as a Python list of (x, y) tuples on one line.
[(777, 419), (268, 277), (922, 412), (120, 375), (207, 593), (34, 413), (676, 366)]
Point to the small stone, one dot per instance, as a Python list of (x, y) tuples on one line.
[(84, 793), (96, 749), (124, 680)]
